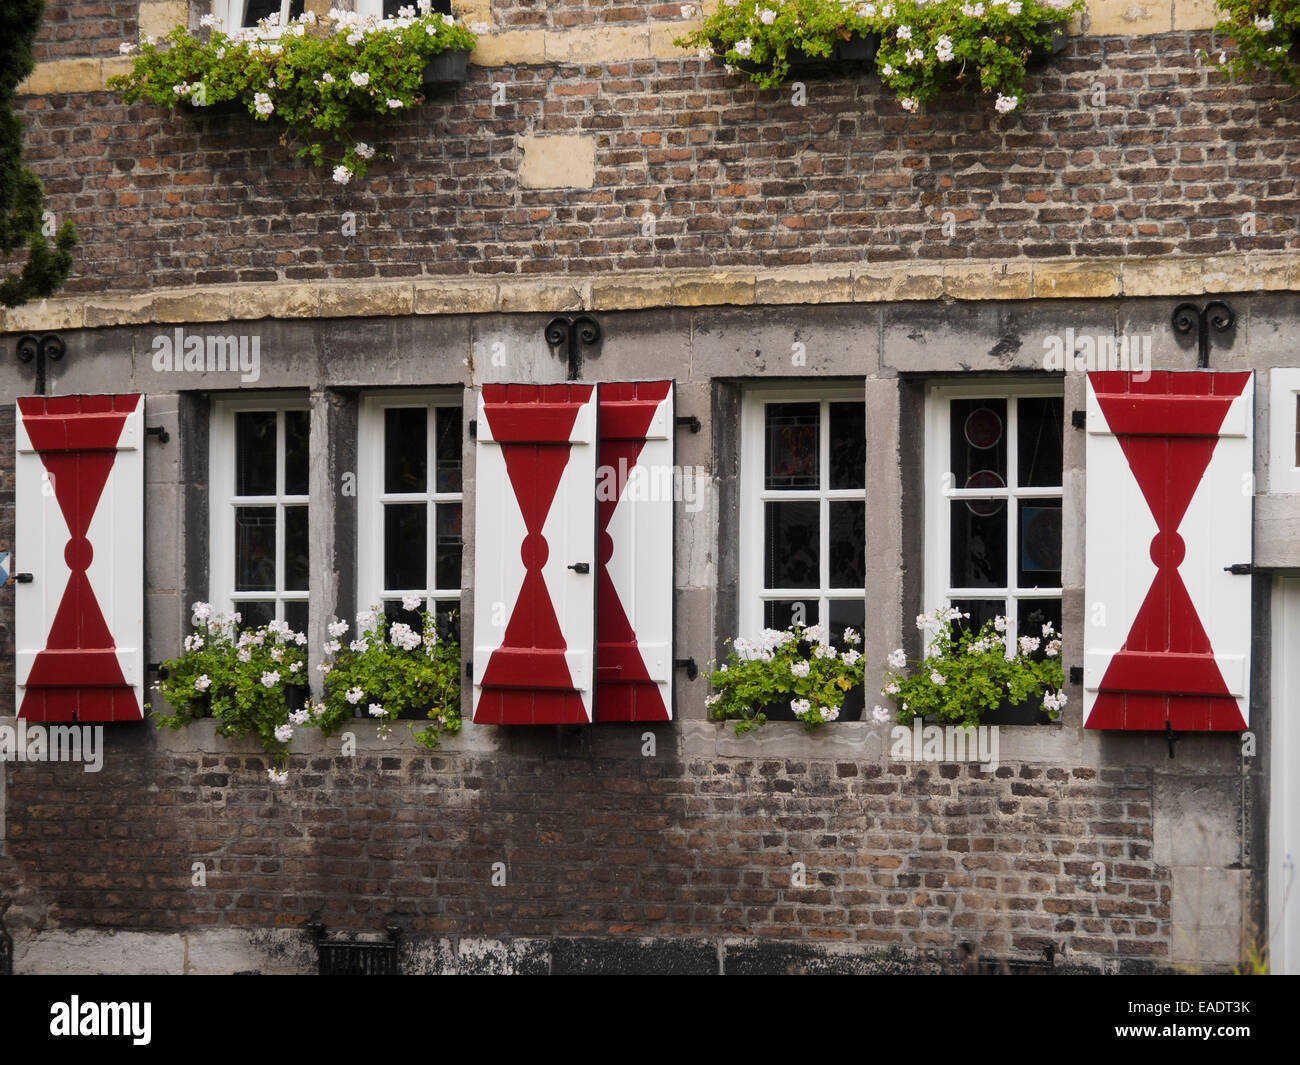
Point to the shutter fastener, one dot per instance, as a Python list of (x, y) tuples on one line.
[(580, 567), (23, 578), (1239, 569), (157, 430), (1076, 674), (692, 670), (1079, 419), (689, 421)]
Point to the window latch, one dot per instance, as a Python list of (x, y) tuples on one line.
[(23, 578), (1239, 569), (580, 567)]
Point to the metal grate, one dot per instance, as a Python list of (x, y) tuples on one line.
[(351, 957)]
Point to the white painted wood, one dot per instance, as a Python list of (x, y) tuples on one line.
[(1283, 473), (116, 570), (1284, 783)]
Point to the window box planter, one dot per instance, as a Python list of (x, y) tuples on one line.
[(1043, 53), (446, 70), (850, 710), (860, 48)]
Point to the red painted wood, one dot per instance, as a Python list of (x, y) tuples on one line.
[(624, 690), (1168, 428), (76, 676), (527, 680)]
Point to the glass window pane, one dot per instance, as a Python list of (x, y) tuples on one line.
[(295, 614), (979, 544), (255, 614), (1034, 613), (406, 449), (1039, 440), (255, 453), (449, 450), (447, 612), (1040, 543), (295, 549), (791, 445), (981, 611), (848, 445), (395, 612), (848, 546), (785, 613), (256, 10), (447, 565), (297, 452), (791, 540), (846, 613), (979, 443), (406, 545), (255, 549)]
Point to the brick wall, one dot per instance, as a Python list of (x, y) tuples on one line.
[(599, 842), (1170, 165), (78, 28)]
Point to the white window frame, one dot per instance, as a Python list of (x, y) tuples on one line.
[(222, 502), (753, 496), (371, 496), (230, 16), (375, 9), (940, 492), (1283, 473)]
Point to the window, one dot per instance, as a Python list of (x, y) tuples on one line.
[(238, 14), (390, 8), (258, 479), (409, 496), (993, 503), (803, 510)]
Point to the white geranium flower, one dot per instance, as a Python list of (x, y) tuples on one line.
[(360, 78), (203, 682), (412, 602), (800, 706), (744, 47), (294, 667), (897, 659), (366, 619), (376, 710), (937, 678), (342, 175), (767, 16), (359, 647), (880, 715), (364, 150), (904, 33), (1005, 104), (284, 733), (828, 713), (353, 695), (336, 628), (393, 103), (278, 777), (800, 668), (1264, 23), (270, 678)]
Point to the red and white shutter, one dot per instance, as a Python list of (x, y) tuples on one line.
[(634, 500), (534, 554), (1169, 507), (79, 507)]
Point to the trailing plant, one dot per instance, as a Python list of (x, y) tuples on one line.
[(965, 673), (389, 670), (1264, 31), (792, 664), (24, 224), (239, 677), (925, 47), (321, 78)]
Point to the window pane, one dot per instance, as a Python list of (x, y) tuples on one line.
[(847, 546), (391, 6), (255, 453), (406, 449), (447, 612), (1035, 612), (1040, 543), (295, 614), (254, 615), (406, 545), (979, 544), (846, 613), (848, 445), (395, 612), (255, 549), (979, 443), (981, 611), (447, 566), (256, 10), (790, 539), (791, 445), (295, 549), (784, 613), (449, 449), (297, 454), (1039, 439)]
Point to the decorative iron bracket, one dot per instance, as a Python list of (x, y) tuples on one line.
[(43, 350), (573, 334), (1216, 315), (1172, 736), (692, 670)]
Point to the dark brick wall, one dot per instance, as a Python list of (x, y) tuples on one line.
[(73, 29), (599, 842), (1170, 165)]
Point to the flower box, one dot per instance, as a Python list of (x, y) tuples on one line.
[(446, 69), (859, 48), (1042, 53)]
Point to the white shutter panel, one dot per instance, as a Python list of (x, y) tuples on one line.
[(534, 554), (1169, 508), (79, 621)]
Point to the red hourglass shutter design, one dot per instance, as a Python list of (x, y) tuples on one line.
[(1169, 506), (79, 532)]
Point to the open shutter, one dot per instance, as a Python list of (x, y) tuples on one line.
[(534, 554), (634, 498), (79, 503), (1169, 507)]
